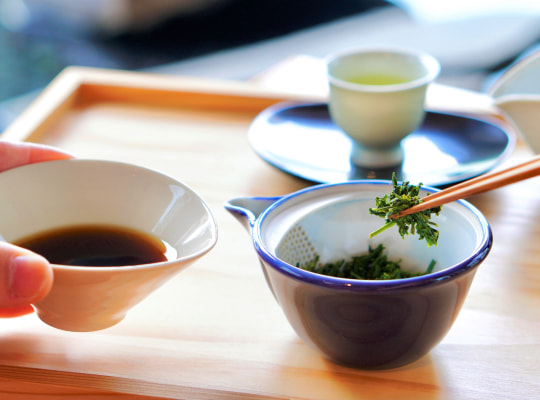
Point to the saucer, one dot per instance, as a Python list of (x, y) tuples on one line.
[(302, 140)]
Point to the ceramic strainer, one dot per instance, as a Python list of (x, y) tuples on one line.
[(337, 226), (362, 323)]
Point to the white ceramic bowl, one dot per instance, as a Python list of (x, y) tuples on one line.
[(44, 196), (517, 93)]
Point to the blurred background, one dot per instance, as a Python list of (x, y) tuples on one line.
[(239, 39)]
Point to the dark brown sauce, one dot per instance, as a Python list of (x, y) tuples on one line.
[(96, 245)]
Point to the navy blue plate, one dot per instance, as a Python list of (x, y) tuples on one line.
[(302, 140)]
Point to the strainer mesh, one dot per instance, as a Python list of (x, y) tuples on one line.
[(295, 247)]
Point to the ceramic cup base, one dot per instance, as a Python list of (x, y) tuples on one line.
[(376, 157), (81, 324)]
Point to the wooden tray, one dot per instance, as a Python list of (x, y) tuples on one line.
[(215, 331)]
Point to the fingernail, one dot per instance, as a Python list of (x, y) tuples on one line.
[(27, 276)]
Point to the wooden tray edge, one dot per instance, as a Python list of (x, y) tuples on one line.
[(83, 85)]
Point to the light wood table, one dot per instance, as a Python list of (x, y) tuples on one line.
[(215, 331)]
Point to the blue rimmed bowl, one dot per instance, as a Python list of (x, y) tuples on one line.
[(363, 323)]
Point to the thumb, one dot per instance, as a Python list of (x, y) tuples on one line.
[(25, 278)]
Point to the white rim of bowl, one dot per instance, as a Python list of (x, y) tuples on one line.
[(432, 64), (360, 285)]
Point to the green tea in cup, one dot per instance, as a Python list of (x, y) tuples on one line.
[(377, 79), (377, 98)]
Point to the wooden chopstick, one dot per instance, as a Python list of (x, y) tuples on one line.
[(480, 184)]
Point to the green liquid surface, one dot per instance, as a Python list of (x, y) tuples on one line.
[(377, 79)]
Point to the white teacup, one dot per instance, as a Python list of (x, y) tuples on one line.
[(50, 195), (377, 97), (517, 93)]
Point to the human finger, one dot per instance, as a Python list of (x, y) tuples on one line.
[(25, 278), (15, 154)]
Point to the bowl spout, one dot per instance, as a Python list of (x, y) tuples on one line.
[(247, 209)]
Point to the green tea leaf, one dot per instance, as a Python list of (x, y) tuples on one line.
[(374, 265), (404, 196)]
